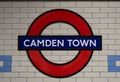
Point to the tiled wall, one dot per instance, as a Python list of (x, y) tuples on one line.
[(16, 17)]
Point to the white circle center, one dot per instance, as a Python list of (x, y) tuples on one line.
[(59, 56)]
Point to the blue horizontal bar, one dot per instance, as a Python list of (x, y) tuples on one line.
[(59, 42)]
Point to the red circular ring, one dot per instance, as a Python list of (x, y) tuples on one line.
[(59, 70)]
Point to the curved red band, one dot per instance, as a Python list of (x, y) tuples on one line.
[(59, 70)]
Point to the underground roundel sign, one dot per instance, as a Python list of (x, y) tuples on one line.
[(34, 42)]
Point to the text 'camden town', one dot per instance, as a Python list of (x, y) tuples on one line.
[(59, 42)]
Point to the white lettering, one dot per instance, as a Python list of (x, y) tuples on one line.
[(54, 43), (33, 43), (84, 42), (76, 43), (40, 42), (25, 43), (60, 43), (69, 41), (48, 43), (92, 43)]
